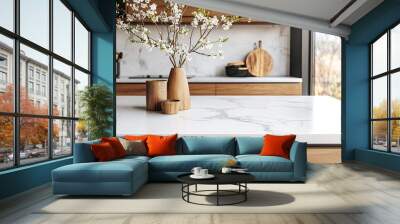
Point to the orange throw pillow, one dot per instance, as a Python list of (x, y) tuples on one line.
[(161, 145), (116, 145), (103, 152), (277, 145)]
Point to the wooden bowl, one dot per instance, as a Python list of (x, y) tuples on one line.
[(170, 106)]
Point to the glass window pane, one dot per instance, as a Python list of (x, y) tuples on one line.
[(35, 21), (379, 135), (62, 89), (62, 138), (395, 94), (6, 142), (395, 47), (33, 139), (81, 82), (379, 97), (6, 74), (81, 131), (7, 14), (34, 97), (62, 29), (81, 45), (395, 136), (379, 55)]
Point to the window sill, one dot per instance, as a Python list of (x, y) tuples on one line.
[(30, 166), (381, 159)]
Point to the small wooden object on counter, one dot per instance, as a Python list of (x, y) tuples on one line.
[(156, 92), (170, 106), (259, 62)]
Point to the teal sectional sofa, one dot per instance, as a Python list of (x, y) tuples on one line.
[(125, 176)]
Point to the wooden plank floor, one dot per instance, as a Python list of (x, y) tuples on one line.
[(378, 189)]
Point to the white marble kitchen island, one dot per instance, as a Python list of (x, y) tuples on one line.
[(314, 119)]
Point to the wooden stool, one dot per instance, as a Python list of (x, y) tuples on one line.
[(170, 106), (156, 92)]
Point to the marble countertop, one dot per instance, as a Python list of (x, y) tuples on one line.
[(222, 79), (314, 119)]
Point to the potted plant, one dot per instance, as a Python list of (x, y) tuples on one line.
[(96, 103), (177, 38)]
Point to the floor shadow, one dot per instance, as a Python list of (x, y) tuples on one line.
[(148, 191), (256, 198)]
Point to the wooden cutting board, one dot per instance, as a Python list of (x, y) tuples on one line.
[(259, 62)]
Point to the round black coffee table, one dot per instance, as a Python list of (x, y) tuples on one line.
[(238, 179)]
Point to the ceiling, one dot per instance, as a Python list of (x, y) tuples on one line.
[(322, 9), (328, 16)]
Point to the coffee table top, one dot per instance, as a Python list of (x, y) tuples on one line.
[(220, 178)]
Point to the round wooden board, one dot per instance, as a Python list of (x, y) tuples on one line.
[(259, 62)]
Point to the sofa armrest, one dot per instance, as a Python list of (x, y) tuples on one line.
[(83, 152), (298, 155)]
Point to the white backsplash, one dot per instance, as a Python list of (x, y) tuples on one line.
[(138, 61)]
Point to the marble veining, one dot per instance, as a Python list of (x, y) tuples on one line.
[(315, 119)]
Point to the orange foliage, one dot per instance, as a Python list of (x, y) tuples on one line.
[(33, 131), (380, 127)]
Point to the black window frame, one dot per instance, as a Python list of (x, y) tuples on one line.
[(388, 74), (16, 115)]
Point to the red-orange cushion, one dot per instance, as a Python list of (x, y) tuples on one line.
[(161, 145), (277, 145), (103, 152), (116, 145)]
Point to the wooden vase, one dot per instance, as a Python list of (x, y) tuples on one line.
[(156, 92), (178, 88)]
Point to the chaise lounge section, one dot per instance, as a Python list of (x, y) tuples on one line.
[(125, 176), (88, 177)]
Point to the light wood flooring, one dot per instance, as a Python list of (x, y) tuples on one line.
[(377, 188)]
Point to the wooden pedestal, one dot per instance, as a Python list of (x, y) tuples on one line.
[(170, 106), (156, 92)]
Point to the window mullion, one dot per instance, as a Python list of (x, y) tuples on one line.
[(73, 82), (389, 103), (371, 142), (50, 81), (16, 70)]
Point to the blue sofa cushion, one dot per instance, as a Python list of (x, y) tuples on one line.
[(128, 159), (185, 163), (111, 171), (199, 145), (257, 163), (249, 145)]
